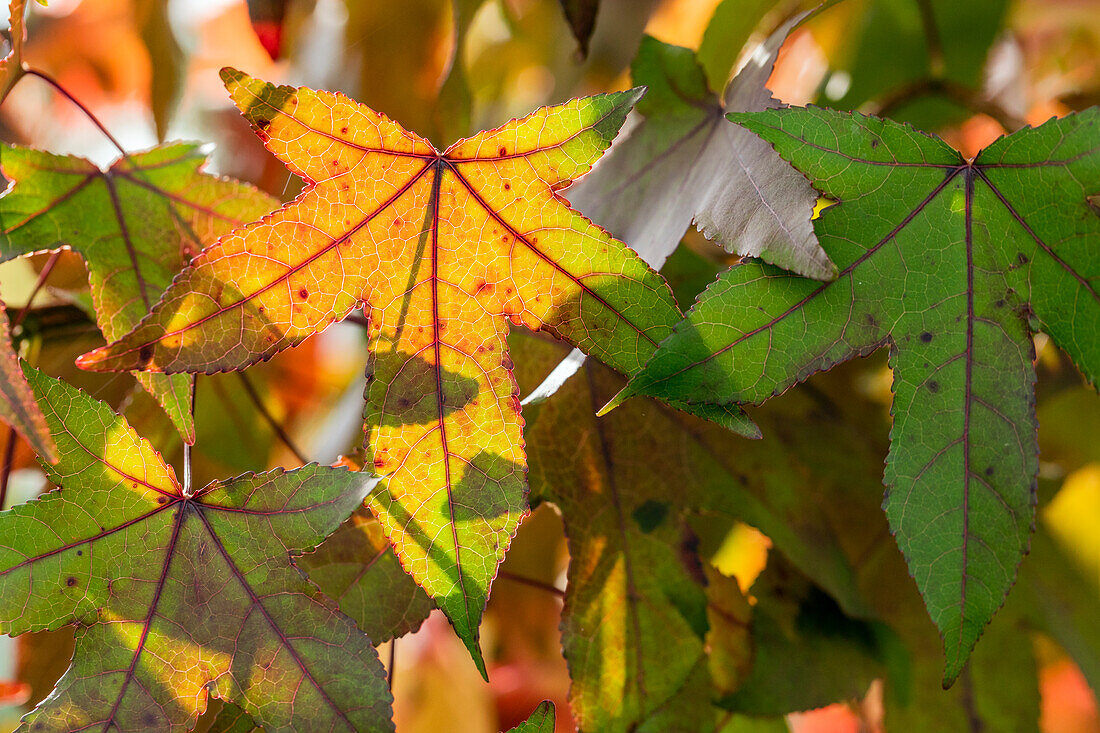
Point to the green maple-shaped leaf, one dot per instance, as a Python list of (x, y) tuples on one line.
[(445, 248), (952, 264), (17, 405), (136, 224), (179, 596)]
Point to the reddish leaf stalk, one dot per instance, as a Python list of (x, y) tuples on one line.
[(275, 425), (505, 575), (87, 112), (9, 457)]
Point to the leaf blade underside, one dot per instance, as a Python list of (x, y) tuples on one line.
[(445, 249), (136, 224), (177, 597), (945, 261), (682, 162)]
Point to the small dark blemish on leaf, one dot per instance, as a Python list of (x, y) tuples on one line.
[(70, 581), (933, 386), (650, 515), (999, 304), (145, 355), (344, 130), (162, 499), (871, 320), (503, 151), (303, 293), (989, 471), (1022, 258), (507, 186), (926, 337), (874, 142), (79, 553)]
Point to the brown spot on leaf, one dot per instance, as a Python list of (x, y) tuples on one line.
[(503, 151), (303, 293), (926, 337), (145, 355), (933, 386), (70, 581)]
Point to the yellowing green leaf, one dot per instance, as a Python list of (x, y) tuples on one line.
[(179, 596), (136, 224), (445, 249)]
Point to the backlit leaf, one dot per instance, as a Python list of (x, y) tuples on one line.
[(541, 720), (358, 569), (179, 596), (445, 249), (136, 224), (17, 406), (953, 264), (681, 161), (631, 488)]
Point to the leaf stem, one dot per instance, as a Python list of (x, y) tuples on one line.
[(936, 65), (87, 112), (393, 662), (42, 276), (954, 91), (523, 580), (275, 425), (187, 479), (5, 475)]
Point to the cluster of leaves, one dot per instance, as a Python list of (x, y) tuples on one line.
[(180, 593)]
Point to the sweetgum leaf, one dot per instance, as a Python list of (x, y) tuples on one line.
[(631, 488), (136, 224), (17, 405), (681, 161), (180, 596), (358, 569), (540, 721), (807, 653), (445, 249), (953, 264)]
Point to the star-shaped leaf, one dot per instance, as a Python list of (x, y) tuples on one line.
[(136, 224), (180, 596), (445, 249), (953, 264), (632, 487), (681, 161), (17, 406)]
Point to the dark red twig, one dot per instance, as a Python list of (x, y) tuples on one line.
[(505, 575), (9, 458), (275, 426), (79, 105)]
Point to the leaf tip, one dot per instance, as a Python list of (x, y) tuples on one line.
[(230, 75), (624, 394)]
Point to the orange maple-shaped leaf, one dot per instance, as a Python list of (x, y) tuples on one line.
[(444, 248)]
